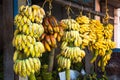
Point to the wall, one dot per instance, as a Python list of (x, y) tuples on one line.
[(1, 29)]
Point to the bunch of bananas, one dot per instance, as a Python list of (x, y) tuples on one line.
[(30, 26), (70, 24), (83, 20), (103, 62), (108, 31), (21, 41), (84, 30), (73, 53), (28, 29), (53, 32), (97, 37), (73, 36), (101, 42), (71, 42), (64, 62), (49, 42), (34, 13), (28, 45), (27, 66)]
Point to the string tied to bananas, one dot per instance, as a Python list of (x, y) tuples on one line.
[(106, 18), (89, 14), (50, 6), (81, 12), (68, 8)]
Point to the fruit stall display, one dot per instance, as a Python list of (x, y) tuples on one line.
[(37, 32), (26, 35)]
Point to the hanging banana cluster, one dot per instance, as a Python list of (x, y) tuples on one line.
[(24, 67), (108, 31), (84, 30), (97, 37), (28, 45), (29, 20), (53, 33), (104, 59), (28, 29), (64, 62), (102, 43), (71, 42), (73, 53)]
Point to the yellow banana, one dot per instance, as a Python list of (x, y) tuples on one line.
[(19, 67), (64, 44), (36, 65), (28, 67), (15, 67), (15, 56), (32, 65), (23, 69)]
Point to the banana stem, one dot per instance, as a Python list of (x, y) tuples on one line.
[(32, 77), (51, 60), (67, 74)]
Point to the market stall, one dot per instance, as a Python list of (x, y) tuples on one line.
[(44, 38)]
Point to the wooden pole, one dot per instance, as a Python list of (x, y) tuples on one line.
[(64, 2), (51, 60), (7, 39)]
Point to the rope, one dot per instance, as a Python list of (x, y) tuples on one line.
[(68, 8), (50, 6), (81, 12), (106, 18), (89, 14)]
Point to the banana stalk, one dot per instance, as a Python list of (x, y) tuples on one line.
[(67, 74), (102, 65), (32, 77), (94, 56), (51, 60)]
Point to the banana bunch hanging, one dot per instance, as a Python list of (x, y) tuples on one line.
[(28, 29), (29, 20), (102, 44), (24, 67), (71, 42), (53, 32), (84, 30), (98, 38)]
